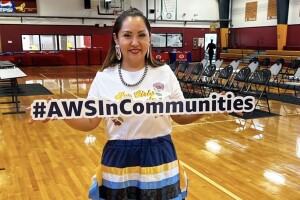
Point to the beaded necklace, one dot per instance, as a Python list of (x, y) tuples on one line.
[(135, 84)]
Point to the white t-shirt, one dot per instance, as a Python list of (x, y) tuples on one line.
[(159, 83)]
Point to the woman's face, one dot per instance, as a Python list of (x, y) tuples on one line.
[(134, 40)]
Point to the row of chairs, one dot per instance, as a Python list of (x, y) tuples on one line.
[(281, 77), (242, 82), (204, 79), (278, 75)]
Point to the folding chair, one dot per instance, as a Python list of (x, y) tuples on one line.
[(254, 59), (206, 77), (258, 87), (294, 83), (235, 65), (239, 81), (289, 71), (264, 64), (204, 62), (275, 70), (252, 65), (218, 64), (222, 80), (174, 66), (192, 77), (182, 70)]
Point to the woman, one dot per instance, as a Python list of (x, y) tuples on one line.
[(139, 160)]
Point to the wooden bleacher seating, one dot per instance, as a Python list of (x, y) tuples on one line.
[(236, 54), (274, 55)]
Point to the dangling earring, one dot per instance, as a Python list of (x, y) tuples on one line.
[(118, 52), (148, 53)]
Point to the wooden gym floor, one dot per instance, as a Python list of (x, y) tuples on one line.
[(224, 157)]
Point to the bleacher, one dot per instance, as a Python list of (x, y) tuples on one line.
[(236, 54), (274, 55)]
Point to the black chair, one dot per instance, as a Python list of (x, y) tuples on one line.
[(293, 83), (280, 60), (201, 83), (289, 71), (192, 77), (239, 81), (222, 80), (265, 63), (182, 70), (174, 66), (258, 87), (254, 59)]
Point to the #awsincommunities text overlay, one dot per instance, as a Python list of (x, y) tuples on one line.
[(90, 108)]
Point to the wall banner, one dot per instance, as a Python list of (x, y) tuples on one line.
[(18, 6), (272, 9), (251, 11)]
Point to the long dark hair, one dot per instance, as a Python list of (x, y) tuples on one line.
[(111, 58)]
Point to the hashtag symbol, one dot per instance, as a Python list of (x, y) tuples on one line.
[(38, 110)]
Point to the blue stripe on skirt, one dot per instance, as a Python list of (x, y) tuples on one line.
[(141, 185)]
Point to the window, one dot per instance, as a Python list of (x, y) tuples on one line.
[(54, 42), (158, 40), (66, 42), (83, 41), (174, 40), (30, 42), (48, 42)]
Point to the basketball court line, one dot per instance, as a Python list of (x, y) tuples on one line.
[(210, 181), (199, 123), (202, 175)]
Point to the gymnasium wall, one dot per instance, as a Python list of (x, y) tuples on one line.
[(11, 34), (75, 8), (293, 36), (263, 32), (251, 37), (243, 34), (238, 14), (101, 36), (294, 12)]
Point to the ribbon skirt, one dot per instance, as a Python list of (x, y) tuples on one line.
[(139, 169)]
